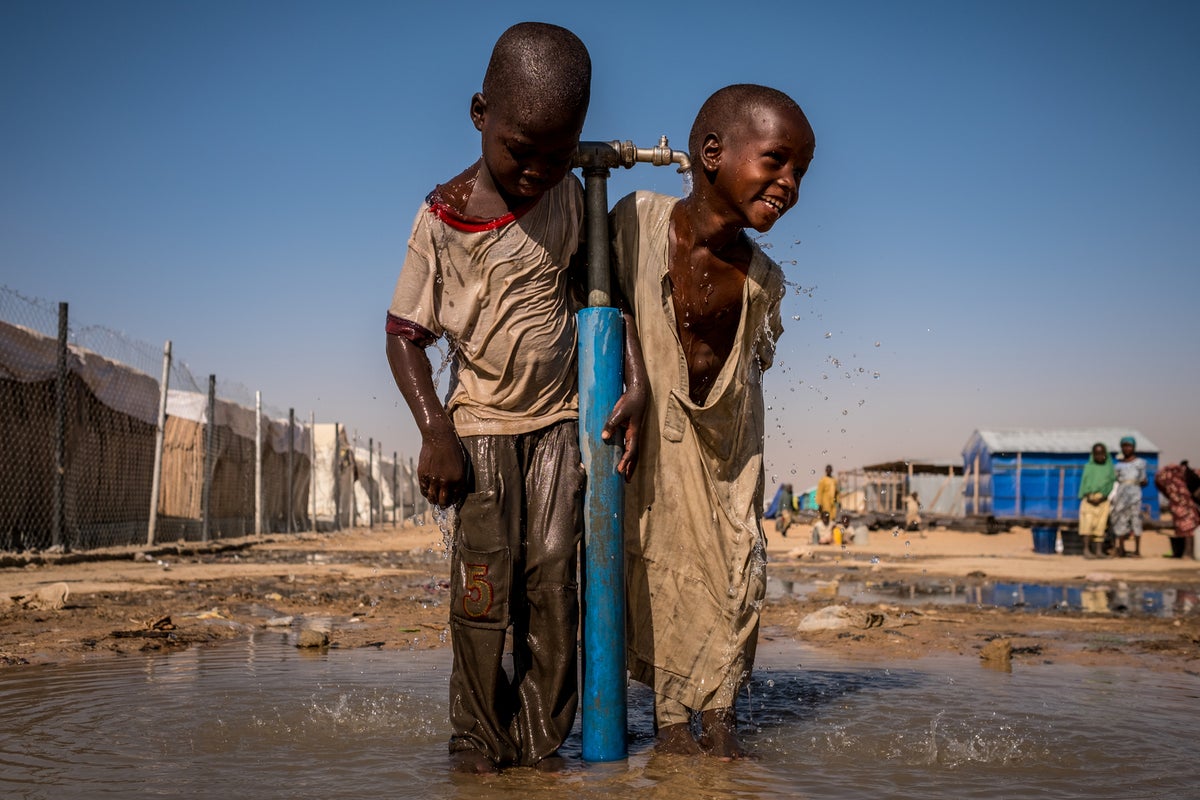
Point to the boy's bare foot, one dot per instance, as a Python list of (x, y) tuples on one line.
[(472, 762), (551, 763), (718, 735), (677, 740)]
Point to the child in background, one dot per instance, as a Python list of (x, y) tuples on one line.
[(706, 301), (822, 530), (1095, 485), (786, 511), (489, 267)]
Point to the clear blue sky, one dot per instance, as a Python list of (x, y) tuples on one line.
[(1001, 227)]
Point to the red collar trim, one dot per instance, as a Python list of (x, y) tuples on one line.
[(467, 224)]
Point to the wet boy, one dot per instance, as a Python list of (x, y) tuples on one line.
[(706, 300), (488, 267)]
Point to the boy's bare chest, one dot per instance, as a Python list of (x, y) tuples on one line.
[(706, 297)]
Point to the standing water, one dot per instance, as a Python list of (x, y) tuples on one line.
[(261, 719)]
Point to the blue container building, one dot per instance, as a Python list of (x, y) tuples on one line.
[(1035, 473)]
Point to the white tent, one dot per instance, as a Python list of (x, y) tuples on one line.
[(333, 477)]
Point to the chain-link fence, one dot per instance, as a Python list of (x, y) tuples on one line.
[(95, 452)]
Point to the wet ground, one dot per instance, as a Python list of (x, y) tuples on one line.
[(944, 592), (259, 718)]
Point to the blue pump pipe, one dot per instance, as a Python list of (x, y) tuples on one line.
[(601, 358)]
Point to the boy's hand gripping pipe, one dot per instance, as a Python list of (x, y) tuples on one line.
[(601, 352)]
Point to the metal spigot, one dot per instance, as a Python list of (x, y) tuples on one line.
[(607, 155)]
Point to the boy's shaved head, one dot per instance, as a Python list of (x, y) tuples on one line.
[(541, 69), (727, 108)]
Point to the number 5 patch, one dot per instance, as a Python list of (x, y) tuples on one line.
[(479, 593), (477, 601)]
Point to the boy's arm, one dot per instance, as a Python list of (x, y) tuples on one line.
[(630, 408), (442, 468)]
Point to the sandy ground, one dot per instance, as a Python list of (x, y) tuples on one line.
[(386, 587)]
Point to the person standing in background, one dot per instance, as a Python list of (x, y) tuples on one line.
[(786, 512), (827, 493), (912, 512), (1126, 512), (1172, 481), (1094, 488)]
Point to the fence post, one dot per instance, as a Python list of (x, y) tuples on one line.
[(258, 464), (291, 458), (371, 482), (312, 471), (353, 493), (159, 433), (412, 486), (59, 491), (396, 498), (210, 435)]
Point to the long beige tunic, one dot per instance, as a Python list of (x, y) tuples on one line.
[(695, 549)]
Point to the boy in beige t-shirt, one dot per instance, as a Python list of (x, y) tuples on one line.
[(489, 268)]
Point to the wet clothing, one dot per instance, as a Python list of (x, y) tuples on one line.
[(499, 292), (513, 563), (1126, 513), (487, 286), (1171, 480), (695, 547)]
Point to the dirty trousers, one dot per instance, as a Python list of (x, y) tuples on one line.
[(513, 564)]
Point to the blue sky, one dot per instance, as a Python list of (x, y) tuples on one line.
[(1000, 227)]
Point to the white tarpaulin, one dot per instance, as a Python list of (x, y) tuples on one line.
[(28, 357), (333, 476)]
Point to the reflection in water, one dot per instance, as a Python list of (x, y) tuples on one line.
[(259, 719), (1118, 596)]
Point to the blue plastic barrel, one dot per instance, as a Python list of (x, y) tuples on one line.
[(1044, 539)]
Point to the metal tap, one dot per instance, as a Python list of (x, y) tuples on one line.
[(607, 155), (596, 159)]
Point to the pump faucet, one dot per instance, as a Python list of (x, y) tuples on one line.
[(607, 155), (596, 159)]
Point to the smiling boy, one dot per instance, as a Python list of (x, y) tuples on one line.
[(706, 302)]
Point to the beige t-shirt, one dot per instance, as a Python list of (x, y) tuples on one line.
[(499, 292)]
